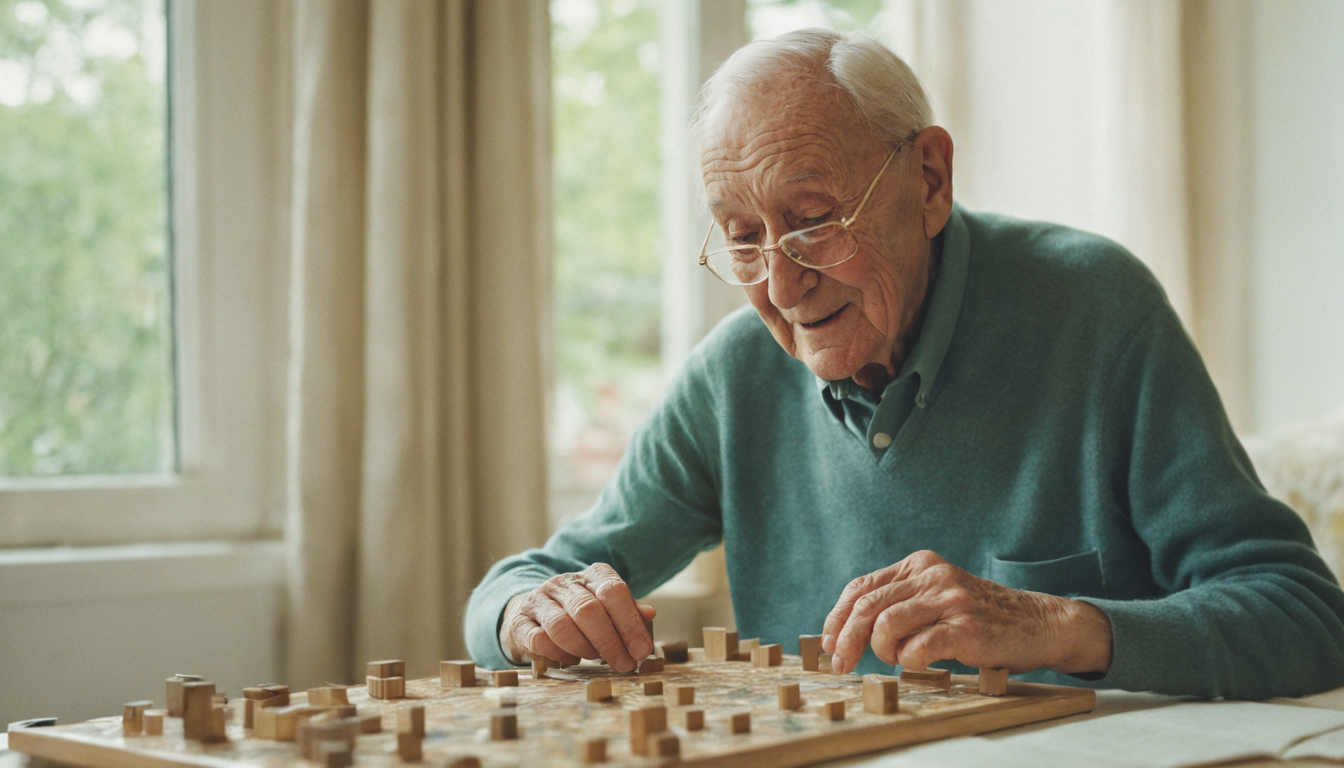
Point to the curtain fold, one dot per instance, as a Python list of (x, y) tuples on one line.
[(416, 436)]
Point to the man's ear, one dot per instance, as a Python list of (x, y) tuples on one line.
[(936, 146)]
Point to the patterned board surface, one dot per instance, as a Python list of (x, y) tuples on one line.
[(554, 716)]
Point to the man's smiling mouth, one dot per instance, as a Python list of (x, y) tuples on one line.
[(825, 319)]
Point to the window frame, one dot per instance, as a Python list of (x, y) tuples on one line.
[(229, 195)]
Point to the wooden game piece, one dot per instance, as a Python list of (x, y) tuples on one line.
[(832, 710), (279, 695), (665, 744), (675, 652), (387, 668), (503, 726), (174, 692), (321, 726), (651, 665), (739, 722), (505, 678), (281, 723), (993, 681), (386, 688), (681, 695), (937, 678), (593, 750), (771, 655), (249, 712), (695, 719), (790, 697), (218, 720), (457, 674), (648, 626), (745, 648), (467, 761), (410, 747), (327, 696), (333, 754), (644, 722), (133, 717), (372, 723), (154, 721), (824, 664), (653, 688), (598, 690), (198, 710), (809, 648), (540, 664), (411, 719), (720, 644), (881, 694)]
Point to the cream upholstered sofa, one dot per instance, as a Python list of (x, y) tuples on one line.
[(1304, 467)]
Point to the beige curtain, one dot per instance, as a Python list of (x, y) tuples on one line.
[(416, 432)]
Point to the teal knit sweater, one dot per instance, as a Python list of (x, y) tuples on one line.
[(1060, 435)]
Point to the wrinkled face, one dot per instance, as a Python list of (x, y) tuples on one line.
[(794, 156)]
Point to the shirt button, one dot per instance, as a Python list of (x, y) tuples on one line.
[(881, 441), (921, 400)]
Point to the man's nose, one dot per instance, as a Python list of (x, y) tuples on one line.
[(789, 281)]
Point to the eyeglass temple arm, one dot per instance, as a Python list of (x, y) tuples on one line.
[(705, 245), (871, 187)]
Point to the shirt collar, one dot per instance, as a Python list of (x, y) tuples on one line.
[(940, 321)]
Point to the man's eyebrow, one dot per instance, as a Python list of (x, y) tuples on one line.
[(801, 176)]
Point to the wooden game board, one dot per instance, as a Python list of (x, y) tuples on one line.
[(554, 716)]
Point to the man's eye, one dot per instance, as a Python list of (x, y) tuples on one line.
[(742, 238), (812, 221)]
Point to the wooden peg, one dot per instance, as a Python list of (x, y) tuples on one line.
[(993, 681), (327, 696), (739, 722), (598, 690), (410, 747), (745, 648), (695, 719), (503, 726), (824, 664), (936, 678), (653, 688), (809, 648), (411, 720), (540, 664), (651, 665), (720, 644), (665, 744), (505, 678), (675, 652), (175, 699), (386, 668), (681, 695), (832, 710), (790, 696), (768, 655), (198, 710), (154, 721), (881, 694), (386, 688), (133, 717), (593, 750), (457, 674), (644, 722)]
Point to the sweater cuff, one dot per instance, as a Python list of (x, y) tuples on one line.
[(1143, 636)]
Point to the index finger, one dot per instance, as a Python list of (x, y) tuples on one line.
[(614, 595)]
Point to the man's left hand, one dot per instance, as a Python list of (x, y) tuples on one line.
[(924, 609)]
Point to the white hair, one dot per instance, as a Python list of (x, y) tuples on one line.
[(882, 87)]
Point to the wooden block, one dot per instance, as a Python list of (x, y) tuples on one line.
[(645, 722), (790, 697), (333, 754), (320, 727), (466, 761), (809, 647), (174, 692), (598, 690), (540, 664), (648, 626), (653, 688), (370, 723), (651, 665), (505, 678), (824, 663), (593, 750), (993, 681), (198, 710), (832, 710), (411, 719), (674, 653), (665, 744), (279, 695), (503, 726), (410, 747), (881, 694), (218, 719), (387, 668), (681, 695), (457, 674), (739, 722), (250, 707), (133, 717), (386, 687), (154, 721), (280, 723), (768, 655), (695, 719), (747, 647), (937, 678), (720, 644), (328, 696)]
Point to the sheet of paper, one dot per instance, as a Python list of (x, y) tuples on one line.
[(1166, 737)]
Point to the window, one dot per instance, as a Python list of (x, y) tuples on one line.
[(128, 445)]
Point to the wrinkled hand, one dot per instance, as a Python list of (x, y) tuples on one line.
[(579, 615), (924, 609)]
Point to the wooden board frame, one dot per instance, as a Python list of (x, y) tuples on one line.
[(556, 720)]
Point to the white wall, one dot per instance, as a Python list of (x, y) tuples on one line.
[(1297, 209)]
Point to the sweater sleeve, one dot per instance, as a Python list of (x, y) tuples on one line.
[(1251, 610), (658, 512)]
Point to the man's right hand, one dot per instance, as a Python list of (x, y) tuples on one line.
[(579, 616)]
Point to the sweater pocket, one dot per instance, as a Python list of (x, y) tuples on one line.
[(1069, 576)]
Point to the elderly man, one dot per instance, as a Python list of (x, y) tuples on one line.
[(940, 436)]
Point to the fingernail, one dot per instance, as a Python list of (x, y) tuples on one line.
[(623, 664), (828, 643), (838, 663), (640, 649)]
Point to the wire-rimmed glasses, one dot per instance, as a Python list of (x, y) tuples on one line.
[(824, 245)]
